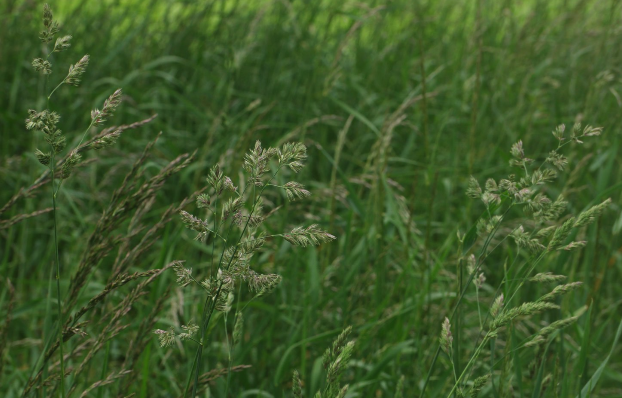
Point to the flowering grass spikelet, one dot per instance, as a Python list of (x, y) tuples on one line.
[(588, 216), (559, 291), (76, 71), (309, 236), (184, 275), (62, 43), (446, 338), (167, 338)]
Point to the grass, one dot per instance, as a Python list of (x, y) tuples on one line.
[(398, 103)]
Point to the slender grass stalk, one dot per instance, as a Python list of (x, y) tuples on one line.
[(58, 292)]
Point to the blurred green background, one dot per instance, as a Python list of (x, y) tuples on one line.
[(398, 102)]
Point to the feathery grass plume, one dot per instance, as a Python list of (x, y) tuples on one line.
[(295, 191), (236, 218), (528, 190), (543, 333), (574, 245), (184, 275), (547, 277), (292, 155), (51, 26), (335, 361), (497, 306), (446, 338), (76, 71), (474, 191), (110, 105), (478, 385), (523, 239), (71, 162), (166, 337), (332, 353), (558, 160), (62, 43), (525, 309), (559, 291), (190, 330), (41, 65), (560, 235), (309, 236), (297, 385), (588, 216), (559, 132)]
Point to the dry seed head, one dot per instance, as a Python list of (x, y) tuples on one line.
[(51, 26), (337, 367), (203, 201), (295, 190), (312, 235), (497, 306), (343, 391), (517, 150), (214, 178), (167, 338), (560, 235), (105, 141), (110, 105), (478, 385), (588, 216), (43, 158), (62, 43), (574, 245), (76, 71), (546, 277), (557, 160), (559, 291), (72, 160), (590, 131), (524, 309), (42, 66), (184, 275), (190, 330), (559, 132), (446, 338), (473, 191)]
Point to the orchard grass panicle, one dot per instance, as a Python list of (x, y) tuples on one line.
[(545, 236), (233, 229), (46, 122)]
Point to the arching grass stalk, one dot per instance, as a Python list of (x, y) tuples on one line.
[(245, 213), (46, 122)]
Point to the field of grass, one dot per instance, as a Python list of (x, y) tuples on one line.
[(399, 103)]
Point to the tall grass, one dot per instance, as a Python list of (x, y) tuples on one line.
[(364, 86)]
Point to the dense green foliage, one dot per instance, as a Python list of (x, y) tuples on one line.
[(398, 102)]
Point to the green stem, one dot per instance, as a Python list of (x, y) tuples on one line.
[(55, 88), (60, 310)]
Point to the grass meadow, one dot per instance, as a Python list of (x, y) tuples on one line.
[(398, 104)]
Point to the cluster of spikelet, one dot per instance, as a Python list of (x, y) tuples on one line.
[(545, 237), (46, 121), (233, 228)]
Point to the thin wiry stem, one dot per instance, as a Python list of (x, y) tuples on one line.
[(58, 296)]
